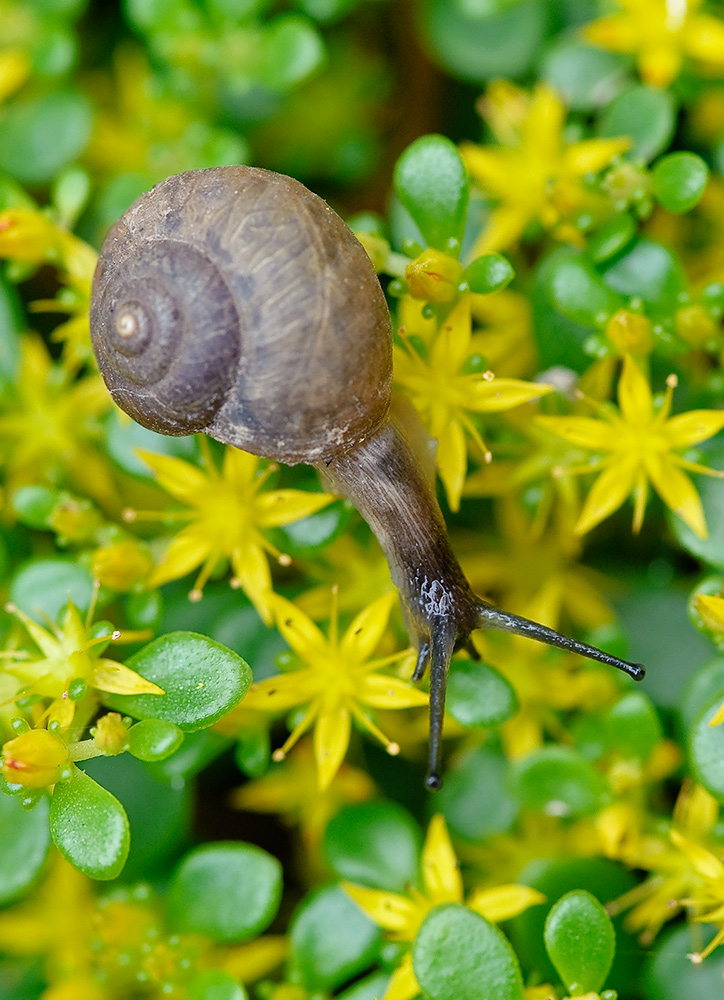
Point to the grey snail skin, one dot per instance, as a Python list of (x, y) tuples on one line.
[(233, 301)]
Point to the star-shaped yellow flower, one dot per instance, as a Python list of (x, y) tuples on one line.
[(533, 174), (339, 682), (401, 916), (641, 443), (661, 35), (227, 511), (445, 394), (70, 652)]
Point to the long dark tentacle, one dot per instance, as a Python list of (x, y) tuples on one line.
[(442, 642), (503, 621)]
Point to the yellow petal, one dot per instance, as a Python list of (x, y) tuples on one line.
[(504, 901), (331, 739), (298, 629), (694, 426), (599, 435), (278, 507), (283, 691), (402, 984), (387, 909), (238, 469), (541, 130), (503, 229), (593, 155), (440, 870), (251, 572), (15, 68), (119, 679), (452, 345), (179, 478), (607, 494), (452, 461), (634, 394), (677, 491), (703, 38), (704, 861), (255, 960), (711, 610), (617, 33), (365, 633), (187, 550), (495, 395), (379, 691)]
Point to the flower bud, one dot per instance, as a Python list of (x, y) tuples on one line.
[(34, 759), (434, 276), (110, 734), (123, 565), (629, 332)]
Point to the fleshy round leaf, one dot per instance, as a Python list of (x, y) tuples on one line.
[(580, 941), (40, 135), (705, 685), (679, 181), (647, 115), (584, 76), (560, 781), (478, 696), (25, 840), (489, 273), (431, 183), (214, 984), (292, 50), (453, 937), (648, 271), (41, 588), (227, 891), (154, 739), (577, 290), (376, 844), (89, 826), (331, 940), (669, 976), (475, 799), (612, 236), (632, 726), (201, 679), (706, 748)]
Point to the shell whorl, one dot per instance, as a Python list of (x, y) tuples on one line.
[(235, 301)]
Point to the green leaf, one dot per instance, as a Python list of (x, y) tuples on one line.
[(489, 273), (580, 941), (40, 135), (331, 940), (252, 752), (584, 76), (710, 549), (477, 41), (312, 533), (376, 844), (633, 727), (648, 271), (612, 236), (11, 325), (459, 955), (478, 696), (154, 739), (645, 114), (668, 975), (706, 684), (228, 891), (201, 678), (679, 180), (706, 748), (475, 799), (292, 50), (33, 506), (576, 289), (89, 826), (25, 840), (560, 781), (41, 588), (431, 182), (214, 984)]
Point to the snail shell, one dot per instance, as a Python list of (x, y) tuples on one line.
[(235, 301)]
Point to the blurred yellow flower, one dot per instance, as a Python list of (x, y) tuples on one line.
[(445, 394), (339, 682), (533, 174), (34, 759), (15, 68), (661, 35), (227, 511), (401, 915), (642, 443)]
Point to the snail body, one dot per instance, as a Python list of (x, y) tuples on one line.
[(234, 301)]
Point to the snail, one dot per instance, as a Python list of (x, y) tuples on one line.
[(236, 302)]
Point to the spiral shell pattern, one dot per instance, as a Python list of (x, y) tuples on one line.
[(235, 301)]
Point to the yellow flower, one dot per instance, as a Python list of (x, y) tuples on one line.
[(15, 68), (34, 759), (445, 394), (707, 899), (534, 175), (339, 683), (642, 443), (401, 915), (68, 654), (661, 35), (434, 276), (49, 428), (228, 511)]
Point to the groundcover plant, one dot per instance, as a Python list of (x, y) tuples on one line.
[(213, 749)]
